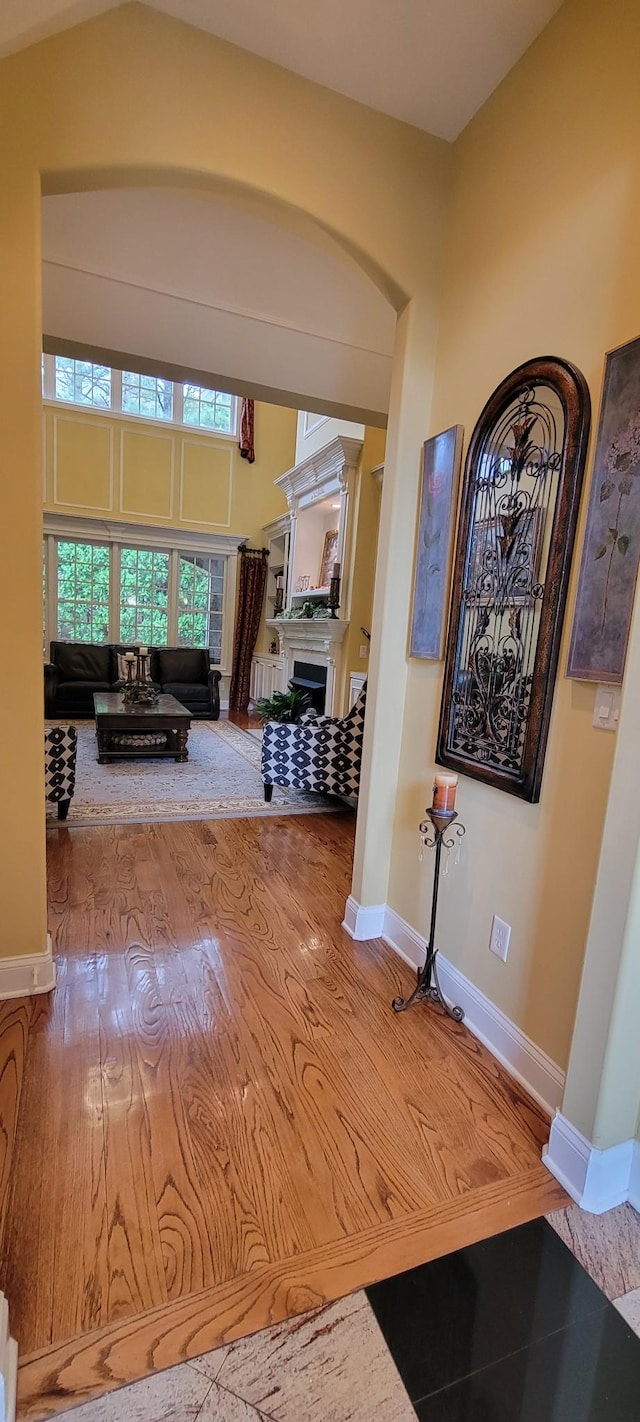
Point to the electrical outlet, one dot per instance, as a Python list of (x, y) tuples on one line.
[(500, 935), (364, 650)]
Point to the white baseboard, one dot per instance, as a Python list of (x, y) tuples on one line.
[(361, 922), (597, 1180), (541, 1076), (26, 976), (8, 1366)]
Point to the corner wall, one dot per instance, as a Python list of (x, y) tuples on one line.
[(543, 259)]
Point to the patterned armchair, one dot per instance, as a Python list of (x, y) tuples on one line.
[(60, 749), (319, 753)]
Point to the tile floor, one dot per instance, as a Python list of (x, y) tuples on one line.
[(608, 1247), (518, 1328)]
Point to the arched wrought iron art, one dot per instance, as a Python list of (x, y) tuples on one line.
[(520, 499)]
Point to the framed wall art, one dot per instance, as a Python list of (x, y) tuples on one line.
[(329, 555), (611, 550), (441, 461), (520, 499)]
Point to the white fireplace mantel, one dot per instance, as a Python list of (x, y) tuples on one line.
[(323, 473), (312, 639)]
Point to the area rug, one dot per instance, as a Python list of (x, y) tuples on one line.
[(220, 779)]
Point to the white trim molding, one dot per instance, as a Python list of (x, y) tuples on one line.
[(523, 1059), (597, 1180), (8, 1366), (320, 474), (362, 923), (25, 977), (144, 535)]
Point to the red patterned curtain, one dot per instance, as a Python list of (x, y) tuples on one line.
[(246, 441), (253, 578)]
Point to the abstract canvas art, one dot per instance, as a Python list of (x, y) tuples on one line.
[(442, 457), (611, 550)]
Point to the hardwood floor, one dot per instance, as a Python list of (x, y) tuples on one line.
[(222, 1121)]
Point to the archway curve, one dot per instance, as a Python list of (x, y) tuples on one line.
[(239, 194)]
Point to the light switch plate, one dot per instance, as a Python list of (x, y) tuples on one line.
[(606, 707)]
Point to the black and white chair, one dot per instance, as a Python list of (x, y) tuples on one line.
[(320, 753), (60, 750)]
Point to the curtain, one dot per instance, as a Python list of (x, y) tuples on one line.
[(246, 442), (253, 578)]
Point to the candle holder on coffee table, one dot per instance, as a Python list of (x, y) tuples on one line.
[(434, 832)]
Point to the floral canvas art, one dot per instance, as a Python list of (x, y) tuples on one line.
[(611, 551)]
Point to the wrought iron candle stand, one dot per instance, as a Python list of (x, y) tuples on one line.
[(427, 989)]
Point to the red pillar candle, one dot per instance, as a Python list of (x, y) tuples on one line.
[(444, 792)]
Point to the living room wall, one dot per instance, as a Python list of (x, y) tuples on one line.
[(139, 471)]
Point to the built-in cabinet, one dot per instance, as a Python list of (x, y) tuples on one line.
[(267, 675), (277, 538)]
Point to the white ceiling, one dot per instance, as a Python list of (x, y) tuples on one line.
[(189, 280), (431, 63)]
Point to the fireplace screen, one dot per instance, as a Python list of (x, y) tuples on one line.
[(517, 525)]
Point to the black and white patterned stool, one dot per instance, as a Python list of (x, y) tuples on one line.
[(321, 753), (60, 750)]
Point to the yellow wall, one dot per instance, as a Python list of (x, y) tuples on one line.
[(543, 259), (134, 97), (99, 466), (364, 520)]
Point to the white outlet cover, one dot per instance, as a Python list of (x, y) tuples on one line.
[(500, 935)]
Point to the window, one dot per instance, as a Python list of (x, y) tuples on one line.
[(124, 592), (208, 409), (82, 383), (147, 395), (83, 586), (144, 596), (201, 603)]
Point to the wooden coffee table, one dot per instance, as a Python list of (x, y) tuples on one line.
[(137, 723)]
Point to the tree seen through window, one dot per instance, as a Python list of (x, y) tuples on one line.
[(144, 596), (83, 591)]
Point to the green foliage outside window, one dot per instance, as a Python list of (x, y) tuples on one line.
[(83, 592), (84, 583), (144, 596)]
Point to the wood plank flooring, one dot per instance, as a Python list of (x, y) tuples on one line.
[(222, 1121)]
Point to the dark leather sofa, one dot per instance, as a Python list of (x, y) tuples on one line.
[(77, 669)]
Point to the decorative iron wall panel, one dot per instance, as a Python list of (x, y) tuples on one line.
[(520, 500)]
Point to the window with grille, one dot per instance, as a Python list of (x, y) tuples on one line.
[(208, 409), (120, 592), (201, 603), (82, 383), (144, 596), (83, 588), (147, 395)]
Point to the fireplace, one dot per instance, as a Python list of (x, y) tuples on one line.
[(309, 677), (315, 644)]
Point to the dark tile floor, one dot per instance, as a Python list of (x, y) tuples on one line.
[(509, 1330)]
